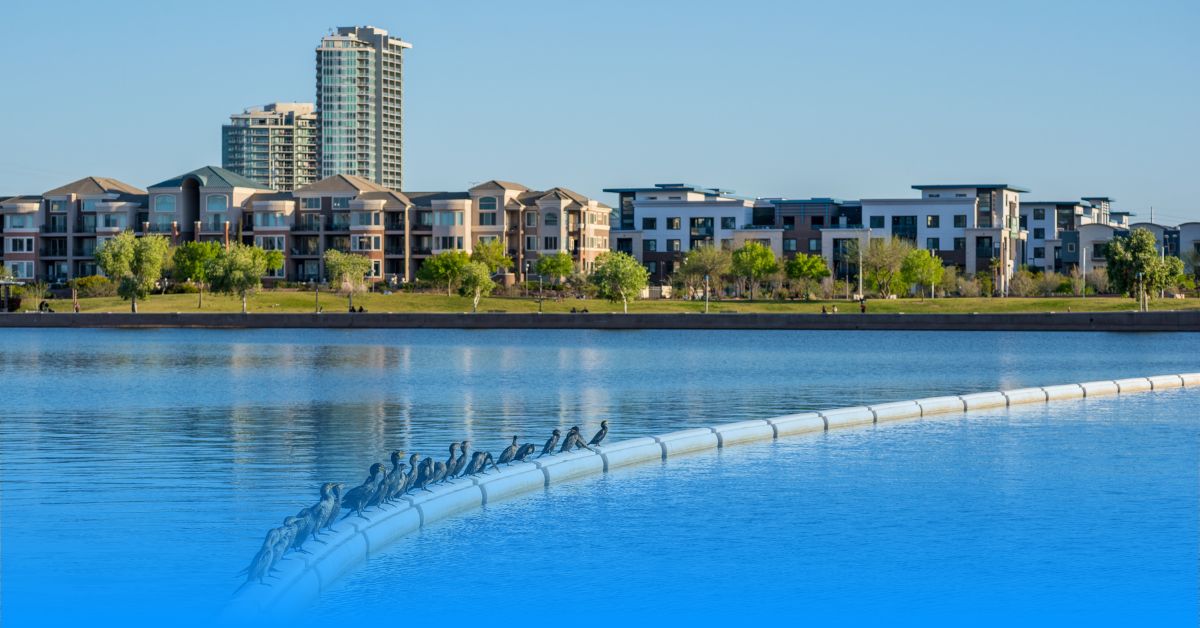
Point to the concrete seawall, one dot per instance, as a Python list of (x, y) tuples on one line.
[(303, 577), (1187, 320)]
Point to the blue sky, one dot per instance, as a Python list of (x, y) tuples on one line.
[(849, 99)]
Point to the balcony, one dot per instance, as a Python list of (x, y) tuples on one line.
[(81, 228), (84, 252), (54, 228), (52, 251), (311, 224)]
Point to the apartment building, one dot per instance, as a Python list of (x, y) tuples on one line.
[(1046, 221), (208, 203), (274, 145), (966, 225), (359, 105), (661, 223)]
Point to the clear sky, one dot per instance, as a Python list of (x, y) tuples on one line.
[(849, 99)]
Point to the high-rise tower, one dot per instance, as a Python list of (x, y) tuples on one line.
[(275, 145), (359, 111)]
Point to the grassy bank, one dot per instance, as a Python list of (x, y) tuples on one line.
[(302, 302)]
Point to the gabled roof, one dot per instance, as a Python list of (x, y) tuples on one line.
[(24, 198), (390, 198), (269, 196), (213, 177), (341, 183), (507, 185), (88, 186)]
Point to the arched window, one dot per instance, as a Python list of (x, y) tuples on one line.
[(551, 219), (164, 203), (217, 203), (487, 204)]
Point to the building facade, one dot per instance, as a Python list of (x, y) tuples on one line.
[(274, 145), (359, 105)]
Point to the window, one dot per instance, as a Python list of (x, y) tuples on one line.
[(933, 244), (269, 219), (487, 219), (1039, 213), (114, 221), (550, 243), (727, 244), (216, 222), (21, 270), (89, 204), (1070, 247), (814, 245), (960, 244), (789, 222), (530, 243), (673, 223), (449, 219), (1039, 252), (1098, 250), (269, 243), (367, 219), (18, 221), (933, 221), (673, 245), (376, 268), (551, 220), (960, 221), (488, 238), (310, 202), (818, 221), (729, 222), (652, 267), (1039, 233), (341, 202), (649, 223), (59, 206), (20, 245), (164, 203), (649, 245), (531, 220), (876, 222), (789, 244), (449, 242), (216, 203), (935, 196), (487, 204), (365, 243)]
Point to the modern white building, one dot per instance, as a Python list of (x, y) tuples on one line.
[(670, 219), (1046, 221)]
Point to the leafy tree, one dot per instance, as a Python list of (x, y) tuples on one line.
[(239, 270), (492, 255), (558, 266), (806, 269), (476, 282), (619, 277), (134, 263), (949, 283), (882, 264), (922, 268), (705, 261), (753, 262), (1136, 254), (348, 272), (446, 267), (192, 263)]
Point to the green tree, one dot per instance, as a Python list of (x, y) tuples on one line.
[(492, 254), (476, 282), (753, 262), (705, 261), (347, 272), (192, 263), (922, 268), (134, 263), (1134, 266), (239, 270), (806, 269), (446, 267), (882, 262), (557, 266), (619, 277)]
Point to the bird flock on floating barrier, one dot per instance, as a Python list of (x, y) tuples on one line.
[(384, 486)]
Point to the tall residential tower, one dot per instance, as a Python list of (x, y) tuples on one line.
[(359, 111), (274, 145)]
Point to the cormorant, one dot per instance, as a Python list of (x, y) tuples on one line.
[(302, 525), (451, 462), (439, 472), (357, 498), (287, 533), (524, 452), (510, 452), (461, 464), (549, 448), (321, 511), (425, 474), (337, 506), (569, 440), (487, 457), (260, 566), (414, 462), (396, 478), (601, 434), (476, 464)]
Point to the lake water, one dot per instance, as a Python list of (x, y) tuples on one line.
[(140, 469)]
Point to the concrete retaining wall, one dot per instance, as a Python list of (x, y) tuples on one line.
[(352, 541), (1188, 320)]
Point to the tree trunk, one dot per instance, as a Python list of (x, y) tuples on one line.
[(133, 304), (350, 298), (200, 304), (243, 303), (449, 284), (625, 302), (475, 302)]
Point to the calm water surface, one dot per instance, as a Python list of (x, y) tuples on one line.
[(143, 467)]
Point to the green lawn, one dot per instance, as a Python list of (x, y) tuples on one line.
[(293, 301)]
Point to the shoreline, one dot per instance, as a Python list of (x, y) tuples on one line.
[(1159, 321)]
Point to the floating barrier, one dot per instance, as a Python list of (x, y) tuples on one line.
[(301, 578)]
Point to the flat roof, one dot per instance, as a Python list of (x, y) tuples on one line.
[(673, 187), (982, 186)]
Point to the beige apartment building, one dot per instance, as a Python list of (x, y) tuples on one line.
[(274, 145)]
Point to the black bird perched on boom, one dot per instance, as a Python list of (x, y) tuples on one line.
[(510, 452), (525, 451), (461, 464), (549, 448), (601, 434), (357, 498)]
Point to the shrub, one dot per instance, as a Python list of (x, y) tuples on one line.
[(94, 286), (183, 288), (968, 287)]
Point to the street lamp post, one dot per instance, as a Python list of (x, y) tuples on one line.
[(706, 294), (316, 297)]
